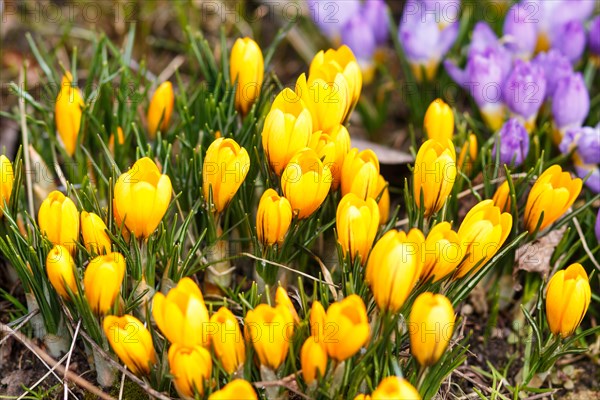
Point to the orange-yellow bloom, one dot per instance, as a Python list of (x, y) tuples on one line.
[(132, 342), (287, 129), (443, 252), (439, 121), (434, 174), (102, 281), (68, 112), (431, 327), (313, 359), (7, 179), (246, 67), (93, 230), (226, 165), (142, 196), (553, 194), (383, 193), (190, 367), (270, 331), (360, 173), (567, 300), (58, 219), (394, 267), (273, 218), (394, 387), (282, 298), (346, 328), (306, 182), (327, 96), (482, 233), (160, 109), (181, 315), (238, 389), (501, 198), (61, 271), (357, 221), (227, 340)]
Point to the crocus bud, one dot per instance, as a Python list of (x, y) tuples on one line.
[(431, 326), (237, 389), (271, 348), (482, 78), (594, 36), (394, 387), (225, 167), (394, 267), (514, 143), (501, 198), (519, 33), (7, 178), (375, 13), (246, 67), (58, 220), (383, 194), (327, 95), (160, 109), (93, 230), (358, 36), (317, 320), (181, 315), (360, 173), (190, 367), (332, 149), (357, 221), (434, 174), (306, 182), (483, 231), (227, 340), (142, 196), (552, 194), (282, 298), (469, 149), (349, 318), (287, 129), (587, 142), (571, 102), (120, 139), (439, 121), (570, 40), (68, 112), (556, 67), (425, 42), (273, 218), (102, 281), (132, 342), (567, 300), (61, 271), (313, 359), (326, 65), (443, 252), (524, 91)]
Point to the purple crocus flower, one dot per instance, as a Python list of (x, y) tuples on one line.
[(482, 78), (594, 36), (556, 66), (520, 34), (571, 102), (524, 90), (593, 181), (598, 226), (484, 40), (375, 13), (570, 40), (446, 11), (331, 15), (587, 141), (514, 143), (357, 35), (423, 42)]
